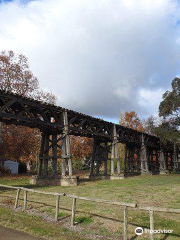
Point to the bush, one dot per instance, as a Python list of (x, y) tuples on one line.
[(4, 170), (80, 164), (22, 167)]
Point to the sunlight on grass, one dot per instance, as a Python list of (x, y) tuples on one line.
[(99, 218)]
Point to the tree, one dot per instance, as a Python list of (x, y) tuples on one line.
[(131, 120), (16, 77), (169, 110), (81, 148), (20, 143)]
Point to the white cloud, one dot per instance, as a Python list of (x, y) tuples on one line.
[(98, 57), (150, 99)]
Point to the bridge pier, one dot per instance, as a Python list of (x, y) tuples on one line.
[(67, 179), (175, 159), (99, 156), (143, 158), (115, 157), (51, 142), (163, 165), (54, 157)]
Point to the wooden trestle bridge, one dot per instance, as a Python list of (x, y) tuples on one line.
[(144, 152)]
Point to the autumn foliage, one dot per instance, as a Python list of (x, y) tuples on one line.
[(81, 147), (22, 143), (16, 77), (17, 142), (131, 120)]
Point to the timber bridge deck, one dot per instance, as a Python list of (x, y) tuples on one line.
[(144, 152)]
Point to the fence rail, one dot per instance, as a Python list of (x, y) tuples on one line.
[(26, 190), (133, 205), (125, 206)]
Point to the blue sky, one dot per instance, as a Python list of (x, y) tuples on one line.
[(99, 57)]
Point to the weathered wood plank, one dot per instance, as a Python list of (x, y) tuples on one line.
[(73, 211), (42, 192), (25, 201), (158, 209), (133, 205), (57, 207), (125, 221), (151, 215), (17, 198)]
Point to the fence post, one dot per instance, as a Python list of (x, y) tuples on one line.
[(125, 221), (73, 211), (57, 207), (25, 200), (151, 214), (17, 198)]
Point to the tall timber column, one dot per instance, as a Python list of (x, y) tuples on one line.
[(46, 155), (69, 179), (163, 167), (143, 157), (54, 155), (105, 158), (39, 174), (42, 178), (97, 159), (93, 158), (115, 157), (175, 159)]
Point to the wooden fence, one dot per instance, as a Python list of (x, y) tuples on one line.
[(26, 190), (125, 206)]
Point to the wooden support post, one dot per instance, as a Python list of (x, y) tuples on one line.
[(63, 167), (93, 157), (115, 152), (73, 211), (25, 200), (157, 160), (97, 157), (105, 159), (162, 161), (68, 152), (118, 166), (54, 152), (143, 157), (17, 198), (41, 155), (117, 157), (63, 164), (46, 155), (57, 207), (175, 159), (92, 166), (66, 144), (112, 159), (125, 221), (125, 160), (151, 215)]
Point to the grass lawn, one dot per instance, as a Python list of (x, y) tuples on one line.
[(95, 220)]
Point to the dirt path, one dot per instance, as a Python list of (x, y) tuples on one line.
[(11, 234)]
